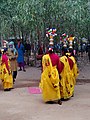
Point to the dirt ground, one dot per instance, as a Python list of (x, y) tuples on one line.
[(20, 104)]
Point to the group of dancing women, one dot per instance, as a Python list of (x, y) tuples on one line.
[(58, 78), (10, 59)]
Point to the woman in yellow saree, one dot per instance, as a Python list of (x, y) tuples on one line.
[(65, 82), (49, 83), (74, 70), (6, 75), (68, 76)]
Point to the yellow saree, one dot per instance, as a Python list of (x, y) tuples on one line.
[(74, 70), (6, 78), (49, 80), (65, 82)]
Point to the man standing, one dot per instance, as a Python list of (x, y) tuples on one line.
[(20, 58), (12, 54), (89, 51)]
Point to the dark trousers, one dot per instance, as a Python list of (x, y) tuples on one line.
[(14, 75), (21, 65)]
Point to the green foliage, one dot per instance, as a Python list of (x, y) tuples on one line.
[(32, 17)]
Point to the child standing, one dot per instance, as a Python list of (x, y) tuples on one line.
[(12, 54)]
